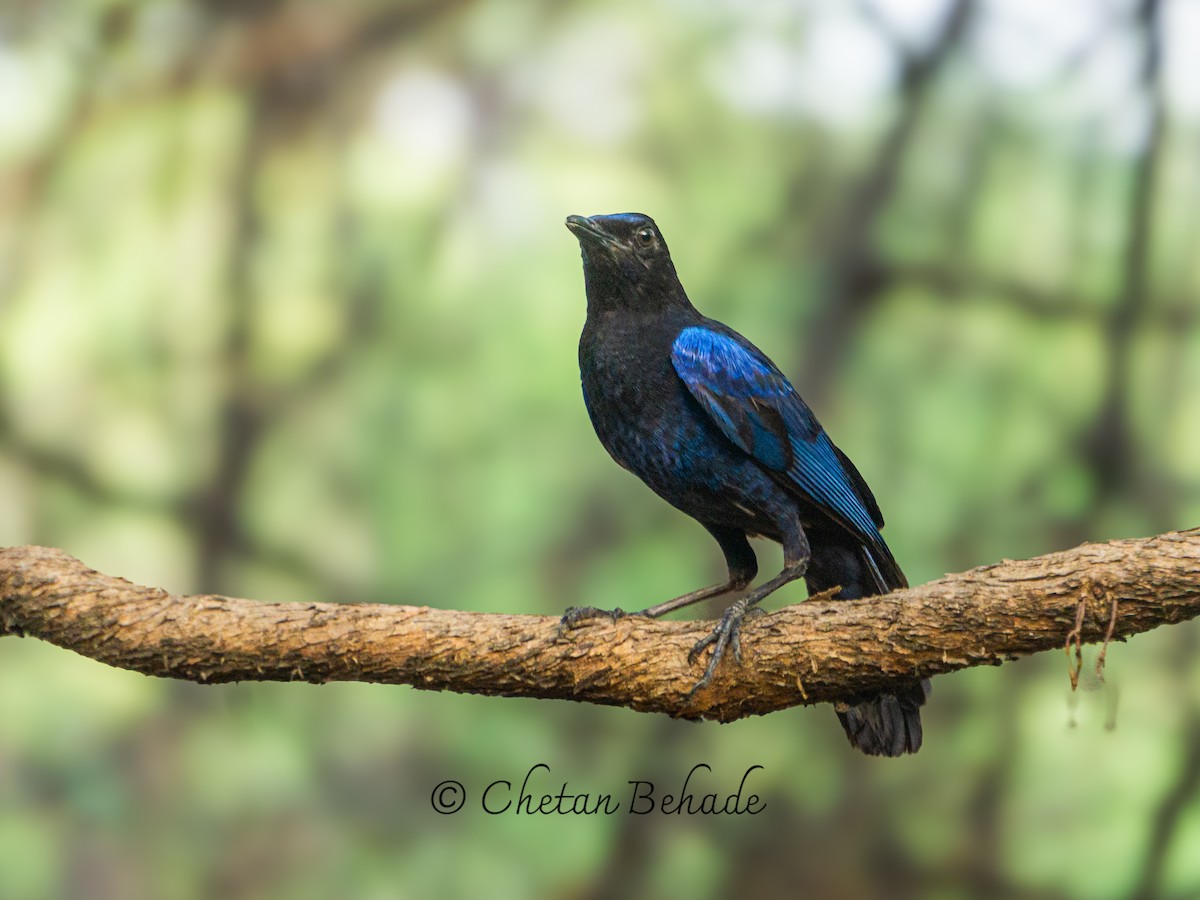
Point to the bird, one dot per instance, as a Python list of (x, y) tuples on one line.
[(712, 426)]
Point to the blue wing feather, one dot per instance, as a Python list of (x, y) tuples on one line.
[(757, 408)]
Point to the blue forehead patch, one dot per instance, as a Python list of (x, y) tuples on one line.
[(630, 219)]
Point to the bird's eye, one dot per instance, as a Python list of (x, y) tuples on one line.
[(646, 236)]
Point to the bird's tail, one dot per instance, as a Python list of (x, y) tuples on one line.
[(886, 724)]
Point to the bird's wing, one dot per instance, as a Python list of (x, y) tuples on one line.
[(757, 408)]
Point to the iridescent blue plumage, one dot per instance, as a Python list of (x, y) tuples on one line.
[(759, 410), (709, 423)]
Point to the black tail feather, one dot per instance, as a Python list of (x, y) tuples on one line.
[(889, 723)]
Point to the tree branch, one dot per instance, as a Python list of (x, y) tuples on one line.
[(813, 652)]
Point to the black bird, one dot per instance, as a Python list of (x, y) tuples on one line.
[(714, 428)]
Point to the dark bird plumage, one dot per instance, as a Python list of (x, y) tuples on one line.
[(705, 419)]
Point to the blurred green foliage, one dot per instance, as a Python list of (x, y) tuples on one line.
[(287, 311)]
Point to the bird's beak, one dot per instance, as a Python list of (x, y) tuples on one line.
[(589, 232)]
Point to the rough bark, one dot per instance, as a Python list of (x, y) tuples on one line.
[(812, 652)]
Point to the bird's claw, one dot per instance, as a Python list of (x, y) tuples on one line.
[(577, 615), (726, 636)]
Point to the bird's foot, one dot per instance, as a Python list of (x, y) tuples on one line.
[(726, 636), (577, 615)]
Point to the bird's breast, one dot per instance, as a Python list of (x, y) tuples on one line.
[(630, 390)]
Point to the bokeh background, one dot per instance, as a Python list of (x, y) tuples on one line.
[(287, 311)]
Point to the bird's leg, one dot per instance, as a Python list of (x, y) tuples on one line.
[(739, 557), (726, 634), (577, 615)]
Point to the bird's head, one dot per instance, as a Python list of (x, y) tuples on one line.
[(626, 263)]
